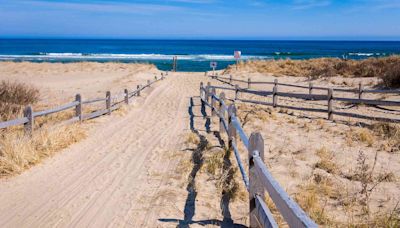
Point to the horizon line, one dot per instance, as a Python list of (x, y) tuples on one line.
[(201, 39)]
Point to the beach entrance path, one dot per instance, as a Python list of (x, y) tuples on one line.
[(123, 174)]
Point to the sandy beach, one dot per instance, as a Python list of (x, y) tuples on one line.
[(154, 166)]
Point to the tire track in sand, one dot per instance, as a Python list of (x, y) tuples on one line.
[(101, 180)]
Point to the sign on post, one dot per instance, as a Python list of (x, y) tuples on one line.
[(213, 65), (238, 55)]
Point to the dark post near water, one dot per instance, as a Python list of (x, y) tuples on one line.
[(174, 63)]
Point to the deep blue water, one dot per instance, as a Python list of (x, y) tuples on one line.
[(193, 55)]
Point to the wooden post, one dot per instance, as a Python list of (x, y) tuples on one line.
[(310, 88), (201, 90), (275, 94), (330, 104), (360, 90), (231, 128), (148, 83), (202, 96), (221, 112), (138, 90), (108, 102), (236, 91), (126, 96), (28, 127), (256, 148), (248, 83), (213, 108), (208, 92), (78, 107), (230, 79)]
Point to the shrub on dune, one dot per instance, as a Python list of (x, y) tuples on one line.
[(14, 96)]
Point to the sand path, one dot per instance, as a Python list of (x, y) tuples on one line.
[(112, 178)]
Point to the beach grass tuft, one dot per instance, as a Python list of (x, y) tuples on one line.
[(14, 96)]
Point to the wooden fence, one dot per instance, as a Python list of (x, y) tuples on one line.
[(112, 103), (259, 178), (330, 97)]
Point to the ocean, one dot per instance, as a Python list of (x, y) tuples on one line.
[(193, 55)]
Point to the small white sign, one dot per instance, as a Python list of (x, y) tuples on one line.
[(237, 54), (213, 64)]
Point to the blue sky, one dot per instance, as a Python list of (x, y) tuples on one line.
[(202, 19)]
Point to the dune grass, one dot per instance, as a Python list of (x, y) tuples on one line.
[(14, 96), (388, 68), (19, 152)]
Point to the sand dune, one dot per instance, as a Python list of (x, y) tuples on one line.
[(161, 163)]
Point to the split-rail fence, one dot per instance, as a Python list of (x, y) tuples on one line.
[(329, 97), (258, 178), (112, 103)]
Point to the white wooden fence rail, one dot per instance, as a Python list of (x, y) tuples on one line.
[(258, 178), (29, 115)]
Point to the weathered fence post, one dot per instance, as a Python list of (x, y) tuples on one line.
[(208, 87), (78, 107), (213, 108), (310, 88), (360, 90), (256, 148), (28, 126), (330, 104), (201, 90), (221, 112), (275, 94), (230, 79), (148, 83), (248, 83), (126, 96), (236, 91), (231, 128), (138, 90), (108, 102)]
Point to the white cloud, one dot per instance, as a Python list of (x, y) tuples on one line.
[(105, 7), (308, 4)]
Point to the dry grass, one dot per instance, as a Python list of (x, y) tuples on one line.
[(14, 96), (213, 164), (387, 68), (326, 161), (311, 198), (389, 132), (250, 113), (18, 152), (360, 135), (192, 138)]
